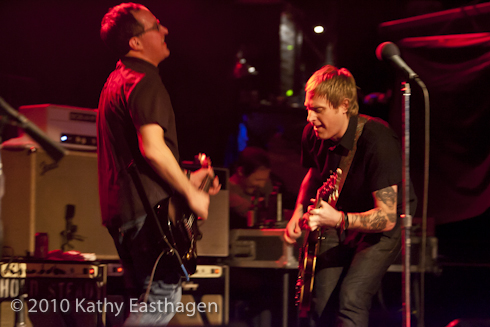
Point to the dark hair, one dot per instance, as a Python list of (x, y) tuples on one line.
[(251, 159), (119, 26)]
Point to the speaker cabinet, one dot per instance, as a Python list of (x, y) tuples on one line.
[(215, 230), (37, 193), (205, 298), (9, 318)]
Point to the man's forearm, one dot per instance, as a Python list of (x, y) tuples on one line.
[(372, 221)]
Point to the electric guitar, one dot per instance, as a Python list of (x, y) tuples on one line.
[(307, 259), (181, 227)]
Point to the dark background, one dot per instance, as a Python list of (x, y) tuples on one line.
[(51, 53)]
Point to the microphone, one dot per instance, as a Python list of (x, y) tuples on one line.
[(389, 51)]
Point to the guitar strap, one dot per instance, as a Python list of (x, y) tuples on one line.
[(133, 171), (346, 162)]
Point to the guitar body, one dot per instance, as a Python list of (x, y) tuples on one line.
[(308, 254), (306, 276), (174, 223), (180, 225)]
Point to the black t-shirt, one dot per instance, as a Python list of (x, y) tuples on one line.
[(133, 96), (377, 164)]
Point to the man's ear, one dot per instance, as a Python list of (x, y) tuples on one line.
[(344, 106), (134, 43), (240, 171)]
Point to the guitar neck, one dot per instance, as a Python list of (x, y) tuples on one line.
[(206, 183), (318, 202)]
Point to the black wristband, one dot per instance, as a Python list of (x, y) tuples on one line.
[(346, 220)]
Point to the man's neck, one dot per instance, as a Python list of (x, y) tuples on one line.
[(139, 55)]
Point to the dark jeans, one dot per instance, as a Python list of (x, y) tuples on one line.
[(352, 272), (138, 244)]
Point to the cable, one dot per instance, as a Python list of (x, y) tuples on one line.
[(425, 201)]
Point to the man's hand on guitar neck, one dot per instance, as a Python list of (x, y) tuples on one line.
[(199, 200), (324, 216), (199, 175)]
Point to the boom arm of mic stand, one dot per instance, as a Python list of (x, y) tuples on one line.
[(53, 149)]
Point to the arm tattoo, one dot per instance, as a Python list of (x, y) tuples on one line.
[(387, 196), (374, 221), (377, 219)]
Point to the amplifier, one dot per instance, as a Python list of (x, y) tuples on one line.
[(53, 293), (38, 193), (208, 289), (52, 280), (261, 248), (73, 127), (205, 297)]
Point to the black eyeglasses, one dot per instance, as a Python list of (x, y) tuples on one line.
[(155, 27)]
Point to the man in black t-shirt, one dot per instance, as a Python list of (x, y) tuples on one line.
[(367, 214), (136, 123)]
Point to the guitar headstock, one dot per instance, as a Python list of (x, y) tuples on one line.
[(330, 188), (203, 160)]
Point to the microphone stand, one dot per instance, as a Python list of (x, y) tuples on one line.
[(390, 51), (406, 217), (53, 149), (20, 315)]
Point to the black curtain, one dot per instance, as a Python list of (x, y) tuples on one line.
[(456, 70)]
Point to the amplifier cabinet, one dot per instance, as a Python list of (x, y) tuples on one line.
[(37, 193), (261, 248), (431, 252), (205, 297)]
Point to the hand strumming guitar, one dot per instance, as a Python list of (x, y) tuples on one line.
[(199, 175), (324, 216)]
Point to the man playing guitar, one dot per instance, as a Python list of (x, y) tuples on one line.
[(136, 127), (361, 235)]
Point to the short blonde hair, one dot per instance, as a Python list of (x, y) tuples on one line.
[(335, 85)]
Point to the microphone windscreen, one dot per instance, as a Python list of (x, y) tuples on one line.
[(387, 50)]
